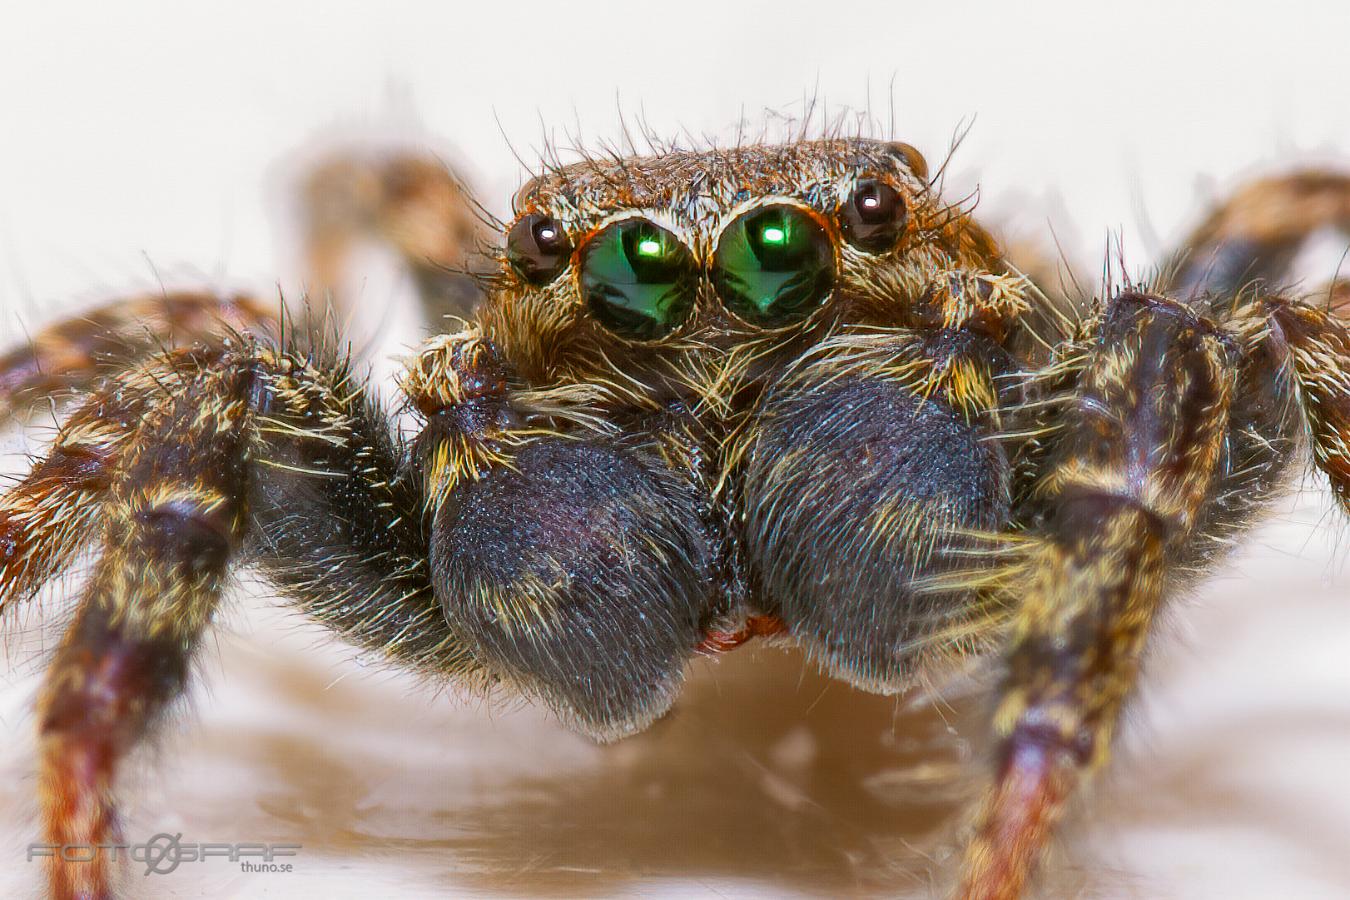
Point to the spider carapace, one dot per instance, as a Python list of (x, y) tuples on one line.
[(775, 390)]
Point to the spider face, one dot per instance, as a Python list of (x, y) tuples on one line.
[(687, 253)]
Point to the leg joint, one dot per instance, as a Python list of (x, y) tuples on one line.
[(192, 530)]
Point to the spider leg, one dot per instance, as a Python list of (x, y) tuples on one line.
[(171, 520), (1255, 234), (1249, 241), (413, 203), (410, 201), (183, 465), (48, 515), (338, 517), (1139, 451), (1316, 345), (73, 354)]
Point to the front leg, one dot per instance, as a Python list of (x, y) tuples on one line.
[(175, 468), (173, 517), (412, 203), (71, 356), (1140, 450), (1254, 236), (577, 562)]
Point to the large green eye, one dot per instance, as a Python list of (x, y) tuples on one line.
[(638, 280), (774, 266)]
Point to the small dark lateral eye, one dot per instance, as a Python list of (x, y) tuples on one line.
[(538, 248), (874, 217)]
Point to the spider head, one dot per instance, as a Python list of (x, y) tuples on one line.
[(695, 253)]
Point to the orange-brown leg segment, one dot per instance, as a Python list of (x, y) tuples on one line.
[(171, 519), (410, 202), (1255, 234), (73, 354), (1318, 346), (1139, 452), (50, 514), (46, 517)]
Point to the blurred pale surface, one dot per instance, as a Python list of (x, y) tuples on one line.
[(767, 781)]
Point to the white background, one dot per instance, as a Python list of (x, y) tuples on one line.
[(149, 141)]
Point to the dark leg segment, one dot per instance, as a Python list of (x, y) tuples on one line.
[(1140, 451), (338, 521), (1255, 234), (173, 517)]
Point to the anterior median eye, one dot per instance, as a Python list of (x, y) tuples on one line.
[(773, 266), (638, 280)]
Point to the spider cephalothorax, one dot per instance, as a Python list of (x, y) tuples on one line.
[(663, 267), (767, 391)]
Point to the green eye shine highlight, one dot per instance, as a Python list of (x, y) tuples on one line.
[(774, 266), (638, 280)]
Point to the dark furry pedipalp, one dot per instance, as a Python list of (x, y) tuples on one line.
[(582, 574), (852, 492)]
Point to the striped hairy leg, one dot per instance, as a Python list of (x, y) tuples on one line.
[(1181, 422), (176, 470), (408, 201), (72, 355)]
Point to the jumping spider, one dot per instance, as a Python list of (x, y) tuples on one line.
[(777, 391)]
